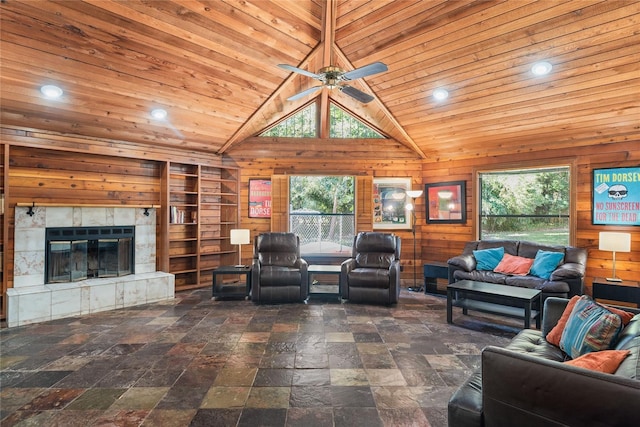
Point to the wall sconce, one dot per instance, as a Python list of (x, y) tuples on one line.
[(240, 236), (614, 242)]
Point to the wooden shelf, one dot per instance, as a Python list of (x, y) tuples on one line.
[(210, 194)]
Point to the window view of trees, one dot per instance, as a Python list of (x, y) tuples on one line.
[(529, 205), (299, 125), (321, 212), (344, 125), (303, 124)]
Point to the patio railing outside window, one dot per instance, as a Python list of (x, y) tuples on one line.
[(323, 233)]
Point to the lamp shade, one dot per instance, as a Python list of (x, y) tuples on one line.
[(240, 236), (614, 242), (414, 194)]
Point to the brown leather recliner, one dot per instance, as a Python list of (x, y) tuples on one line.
[(372, 274), (278, 273)]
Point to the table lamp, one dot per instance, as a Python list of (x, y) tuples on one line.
[(240, 236), (614, 242)]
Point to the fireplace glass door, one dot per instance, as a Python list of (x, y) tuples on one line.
[(67, 261), (80, 258)]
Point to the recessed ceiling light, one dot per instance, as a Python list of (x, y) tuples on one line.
[(51, 91), (541, 68), (440, 94), (159, 114)]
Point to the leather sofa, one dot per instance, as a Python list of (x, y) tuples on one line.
[(372, 274), (278, 273), (565, 281), (526, 383)]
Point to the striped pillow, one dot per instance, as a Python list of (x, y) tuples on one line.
[(590, 328)]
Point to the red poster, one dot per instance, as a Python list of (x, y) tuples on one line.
[(259, 198)]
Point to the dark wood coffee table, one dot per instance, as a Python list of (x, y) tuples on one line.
[(510, 301)]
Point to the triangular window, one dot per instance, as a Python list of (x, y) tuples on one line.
[(344, 125), (303, 124)]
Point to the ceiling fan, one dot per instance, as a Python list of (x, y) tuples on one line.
[(332, 77)]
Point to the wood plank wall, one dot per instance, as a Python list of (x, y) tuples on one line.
[(265, 168), (46, 167), (77, 168), (440, 242)]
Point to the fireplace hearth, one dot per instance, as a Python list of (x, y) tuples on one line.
[(114, 247)]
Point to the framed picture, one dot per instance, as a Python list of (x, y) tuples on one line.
[(445, 203), (259, 198), (390, 203), (616, 196)]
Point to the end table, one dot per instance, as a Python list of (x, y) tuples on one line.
[(234, 289), (627, 290)]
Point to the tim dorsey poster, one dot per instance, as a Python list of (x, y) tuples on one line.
[(259, 198), (616, 196)]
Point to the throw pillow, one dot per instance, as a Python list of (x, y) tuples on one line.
[(488, 259), (590, 327), (545, 262), (554, 335), (515, 265), (626, 316), (606, 361)]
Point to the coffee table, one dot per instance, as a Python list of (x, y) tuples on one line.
[(510, 301)]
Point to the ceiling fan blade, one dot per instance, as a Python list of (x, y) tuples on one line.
[(367, 70), (357, 94), (298, 70), (304, 93)]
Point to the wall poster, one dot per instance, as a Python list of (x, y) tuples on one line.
[(616, 196), (445, 202), (259, 198), (390, 203)]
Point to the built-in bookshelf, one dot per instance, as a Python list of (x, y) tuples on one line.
[(203, 208), (3, 229)]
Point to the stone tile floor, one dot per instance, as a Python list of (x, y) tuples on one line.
[(199, 362)]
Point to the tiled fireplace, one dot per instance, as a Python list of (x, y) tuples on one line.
[(32, 300)]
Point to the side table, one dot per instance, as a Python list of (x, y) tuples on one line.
[(324, 289), (231, 289), (432, 272), (626, 291)]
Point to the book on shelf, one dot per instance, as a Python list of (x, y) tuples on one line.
[(178, 216)]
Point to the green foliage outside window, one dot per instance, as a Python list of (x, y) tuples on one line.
[(303, 124), (526, 205), (344, 125), (322, 194)]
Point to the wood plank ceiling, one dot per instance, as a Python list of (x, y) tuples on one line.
[(213, 66)]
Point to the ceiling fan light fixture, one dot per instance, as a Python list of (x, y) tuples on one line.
[(541, 68), (51, 91), (440, 94)]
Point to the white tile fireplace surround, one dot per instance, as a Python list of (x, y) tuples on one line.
[(31, 300)]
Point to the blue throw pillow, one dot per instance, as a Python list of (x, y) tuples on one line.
[(488, 259), (590, 327), (545, 262)]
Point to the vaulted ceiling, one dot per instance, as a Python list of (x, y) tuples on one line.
[(213, 66)]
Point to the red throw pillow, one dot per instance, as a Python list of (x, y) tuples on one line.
[(514, 265), (606, 361), (553, 337)]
